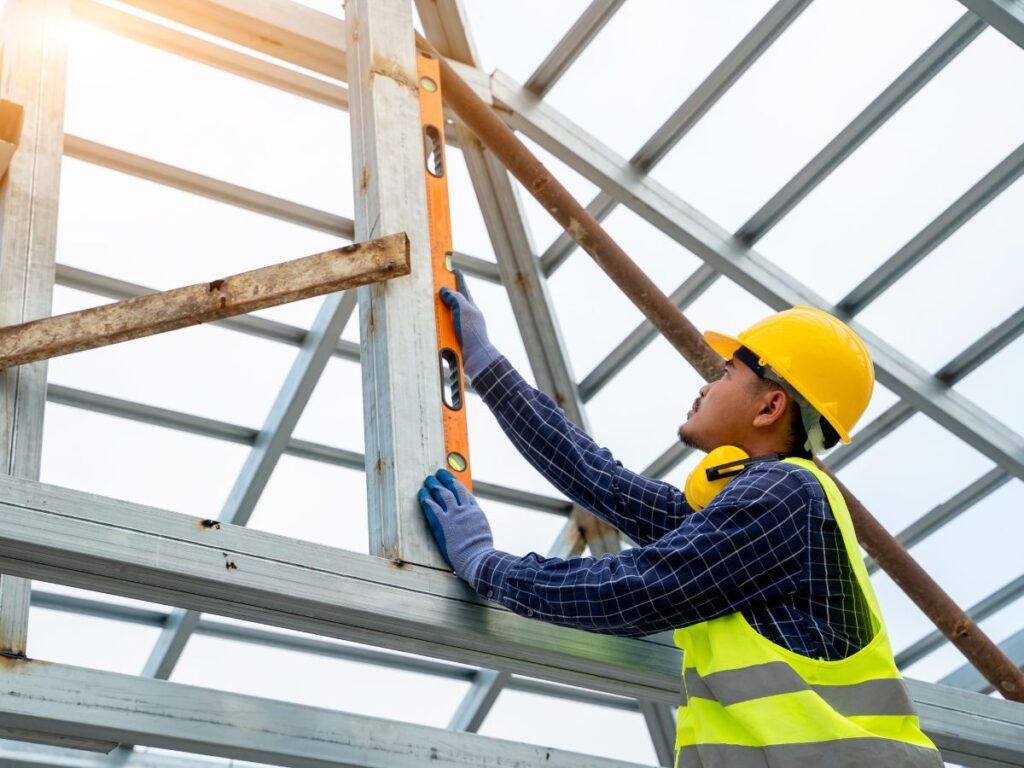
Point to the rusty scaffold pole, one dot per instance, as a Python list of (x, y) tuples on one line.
[(926, 593)]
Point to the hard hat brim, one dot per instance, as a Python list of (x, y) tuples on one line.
[(726, 346)]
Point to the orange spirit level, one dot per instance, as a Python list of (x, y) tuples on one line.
[(449, 353)]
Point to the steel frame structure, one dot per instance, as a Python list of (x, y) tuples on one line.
[(42, 525)]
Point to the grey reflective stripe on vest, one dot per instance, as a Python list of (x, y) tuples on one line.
[(842, 753), (884, 696)]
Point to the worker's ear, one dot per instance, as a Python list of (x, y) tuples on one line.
[(771, 406)]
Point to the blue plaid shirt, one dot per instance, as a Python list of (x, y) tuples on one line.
[(767, 546)]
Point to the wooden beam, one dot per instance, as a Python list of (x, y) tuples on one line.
[(353, 265)]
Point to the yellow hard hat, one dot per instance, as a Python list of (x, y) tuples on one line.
[(816, 354)]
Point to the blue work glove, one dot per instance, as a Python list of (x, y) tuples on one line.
[(458, 523), (477, 350)]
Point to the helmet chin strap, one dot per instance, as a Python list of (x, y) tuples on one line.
[(809, 417)]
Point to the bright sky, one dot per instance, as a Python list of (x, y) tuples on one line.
[(833, 60)]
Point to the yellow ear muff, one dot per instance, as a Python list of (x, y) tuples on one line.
[(699, 489)]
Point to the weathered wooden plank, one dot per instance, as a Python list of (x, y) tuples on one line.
[(315, 275)]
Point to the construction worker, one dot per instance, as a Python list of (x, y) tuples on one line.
[(786, 659)]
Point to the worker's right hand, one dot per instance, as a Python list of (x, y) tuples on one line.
[(457, 522), (477, 350)]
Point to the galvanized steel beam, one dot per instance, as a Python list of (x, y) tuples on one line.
[(303, 449), (194, 48), (970, 729), (1006, 16), (245, 633), (981, 610), (899, 92), (401, 386), (706, 95), (478, 701), (571, 46), (71, 700), (259, 465), (523, 279), (947, 511), (33, 59), (279, 28), (750, 270), (968, 678), (106, 545), (205, 186), (933, 235), (976, 354), (661, 723), (638, 339)]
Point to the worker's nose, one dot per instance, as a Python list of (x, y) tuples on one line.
[(704, 389)]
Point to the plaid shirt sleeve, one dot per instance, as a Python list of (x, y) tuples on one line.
[(746, 547), (642, 508)]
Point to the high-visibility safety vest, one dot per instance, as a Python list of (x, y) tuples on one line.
[(750, 703)]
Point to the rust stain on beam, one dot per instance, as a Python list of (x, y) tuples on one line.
[(353, 265)]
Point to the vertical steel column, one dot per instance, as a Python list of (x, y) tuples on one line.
[(33, 63), (401, 384), (521, 274)]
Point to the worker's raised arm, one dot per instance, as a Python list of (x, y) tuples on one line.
[(745, 550), (643, 509)]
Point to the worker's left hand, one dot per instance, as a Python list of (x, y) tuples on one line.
[(457, 522)]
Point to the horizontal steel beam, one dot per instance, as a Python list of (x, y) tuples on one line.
[(203, 51), (240, 197), (246, 633), (279, 28), (91, 542), (73, 701), (303, 449), (354, 265), (15, 754), (205, 186), (970, 729)]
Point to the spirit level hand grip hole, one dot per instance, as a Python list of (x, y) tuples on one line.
[(451, 379), (434, 151)]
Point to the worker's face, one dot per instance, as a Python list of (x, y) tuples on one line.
[(724, 412)]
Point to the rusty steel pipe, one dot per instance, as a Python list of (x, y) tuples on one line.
[(951, 620), (575, 219), (492, 132)]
